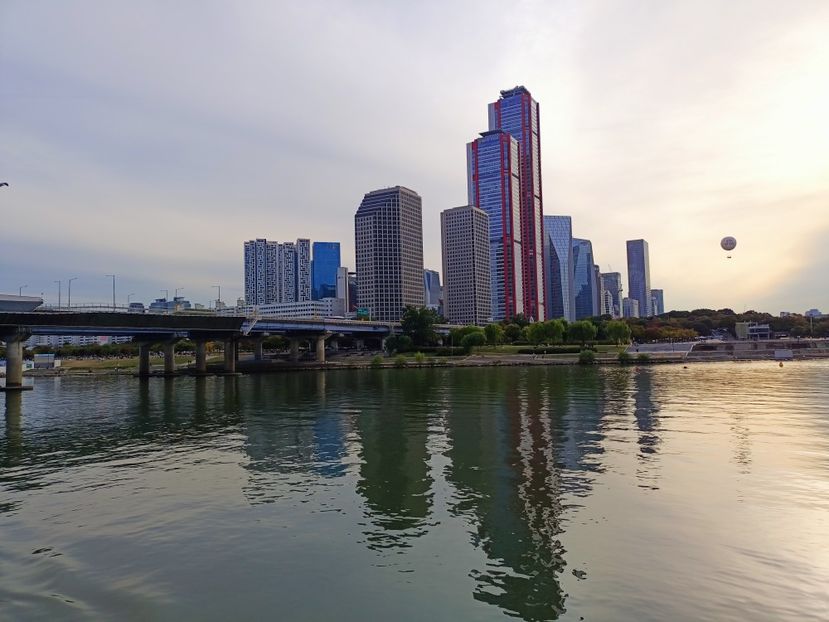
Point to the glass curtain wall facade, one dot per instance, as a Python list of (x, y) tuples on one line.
[(639, 276), (493, 180), (517, 113), (389, 244), (558, 267), (657, 301), (324, 266), (584, 279), (612, 287)]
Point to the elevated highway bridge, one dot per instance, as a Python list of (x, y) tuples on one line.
[(148, 329)]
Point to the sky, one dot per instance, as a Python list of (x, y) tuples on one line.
[(150, 139)]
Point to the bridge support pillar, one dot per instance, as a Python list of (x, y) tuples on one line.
[(144, 360), (230, 356), (294, 343), (170, 358), (258, 350), (201, 356), (320, 356), (14, 364)]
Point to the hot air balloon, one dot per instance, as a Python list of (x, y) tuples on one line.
[(728, 244)]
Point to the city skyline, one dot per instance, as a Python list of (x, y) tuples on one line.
[(94, 149)]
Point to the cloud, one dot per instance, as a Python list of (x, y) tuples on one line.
[(159, 137)]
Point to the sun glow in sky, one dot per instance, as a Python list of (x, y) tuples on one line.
[(151, 139)]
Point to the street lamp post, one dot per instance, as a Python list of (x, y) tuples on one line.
[(69, 293), (20, 290), (128, 298), (219, 294), (59, 288), (112, 276)]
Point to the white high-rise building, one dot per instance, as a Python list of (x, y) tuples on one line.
[(467, 295), (276, 273)]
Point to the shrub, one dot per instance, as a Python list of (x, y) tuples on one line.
[(643, 358), (587, 357), (419, 357), (377, 362), (400, 361), (624, 357)]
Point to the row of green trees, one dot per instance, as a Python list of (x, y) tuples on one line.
[(417, 332)]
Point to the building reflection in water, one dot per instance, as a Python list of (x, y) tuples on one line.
[(646, 410), (394, 479), (508, 441)]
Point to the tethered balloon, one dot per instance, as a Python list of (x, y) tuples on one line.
[(728, 244)]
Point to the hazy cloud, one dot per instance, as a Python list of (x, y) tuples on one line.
[(152, 138)]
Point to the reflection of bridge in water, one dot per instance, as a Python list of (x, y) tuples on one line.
[(149, 329)]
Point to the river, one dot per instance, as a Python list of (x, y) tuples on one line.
[(543, 493)]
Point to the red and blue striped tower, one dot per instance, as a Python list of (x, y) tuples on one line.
[(516, 112)]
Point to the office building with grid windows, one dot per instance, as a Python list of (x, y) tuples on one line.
[(466, 265), (558, 267), (388, 231)]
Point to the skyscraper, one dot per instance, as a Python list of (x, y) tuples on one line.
[(494, 186), (324, 266), (657, 302), (558, 267), (303, 270), (389, 247), (630, 307), (342, 287), (256, 271), (597, 301), (584, 279), (276, 273), (517, 112), (639, 275), (466, 265), (432, 293), (612, 285)]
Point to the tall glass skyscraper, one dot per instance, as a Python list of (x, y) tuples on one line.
[(612, 287), (516, 112), (657, 301), (639, 276), (584, 279), (324, 266), (493, 181), (558, 267)]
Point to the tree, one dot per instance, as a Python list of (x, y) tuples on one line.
[(473, 339), (520, 319), (581, 331), (494, 334), (512, 332), (536, 333), (554, 330), (399, 343), (418, 324), (617, 331)]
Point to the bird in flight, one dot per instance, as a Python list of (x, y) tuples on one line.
[(3, 183)]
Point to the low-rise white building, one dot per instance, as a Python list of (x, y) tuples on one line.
[(326, 307)]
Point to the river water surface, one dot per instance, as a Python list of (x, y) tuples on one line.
[(607, 493)]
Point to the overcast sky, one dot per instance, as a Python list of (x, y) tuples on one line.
[(150, 139)]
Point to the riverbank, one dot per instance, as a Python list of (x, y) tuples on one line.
[(246, 365)]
